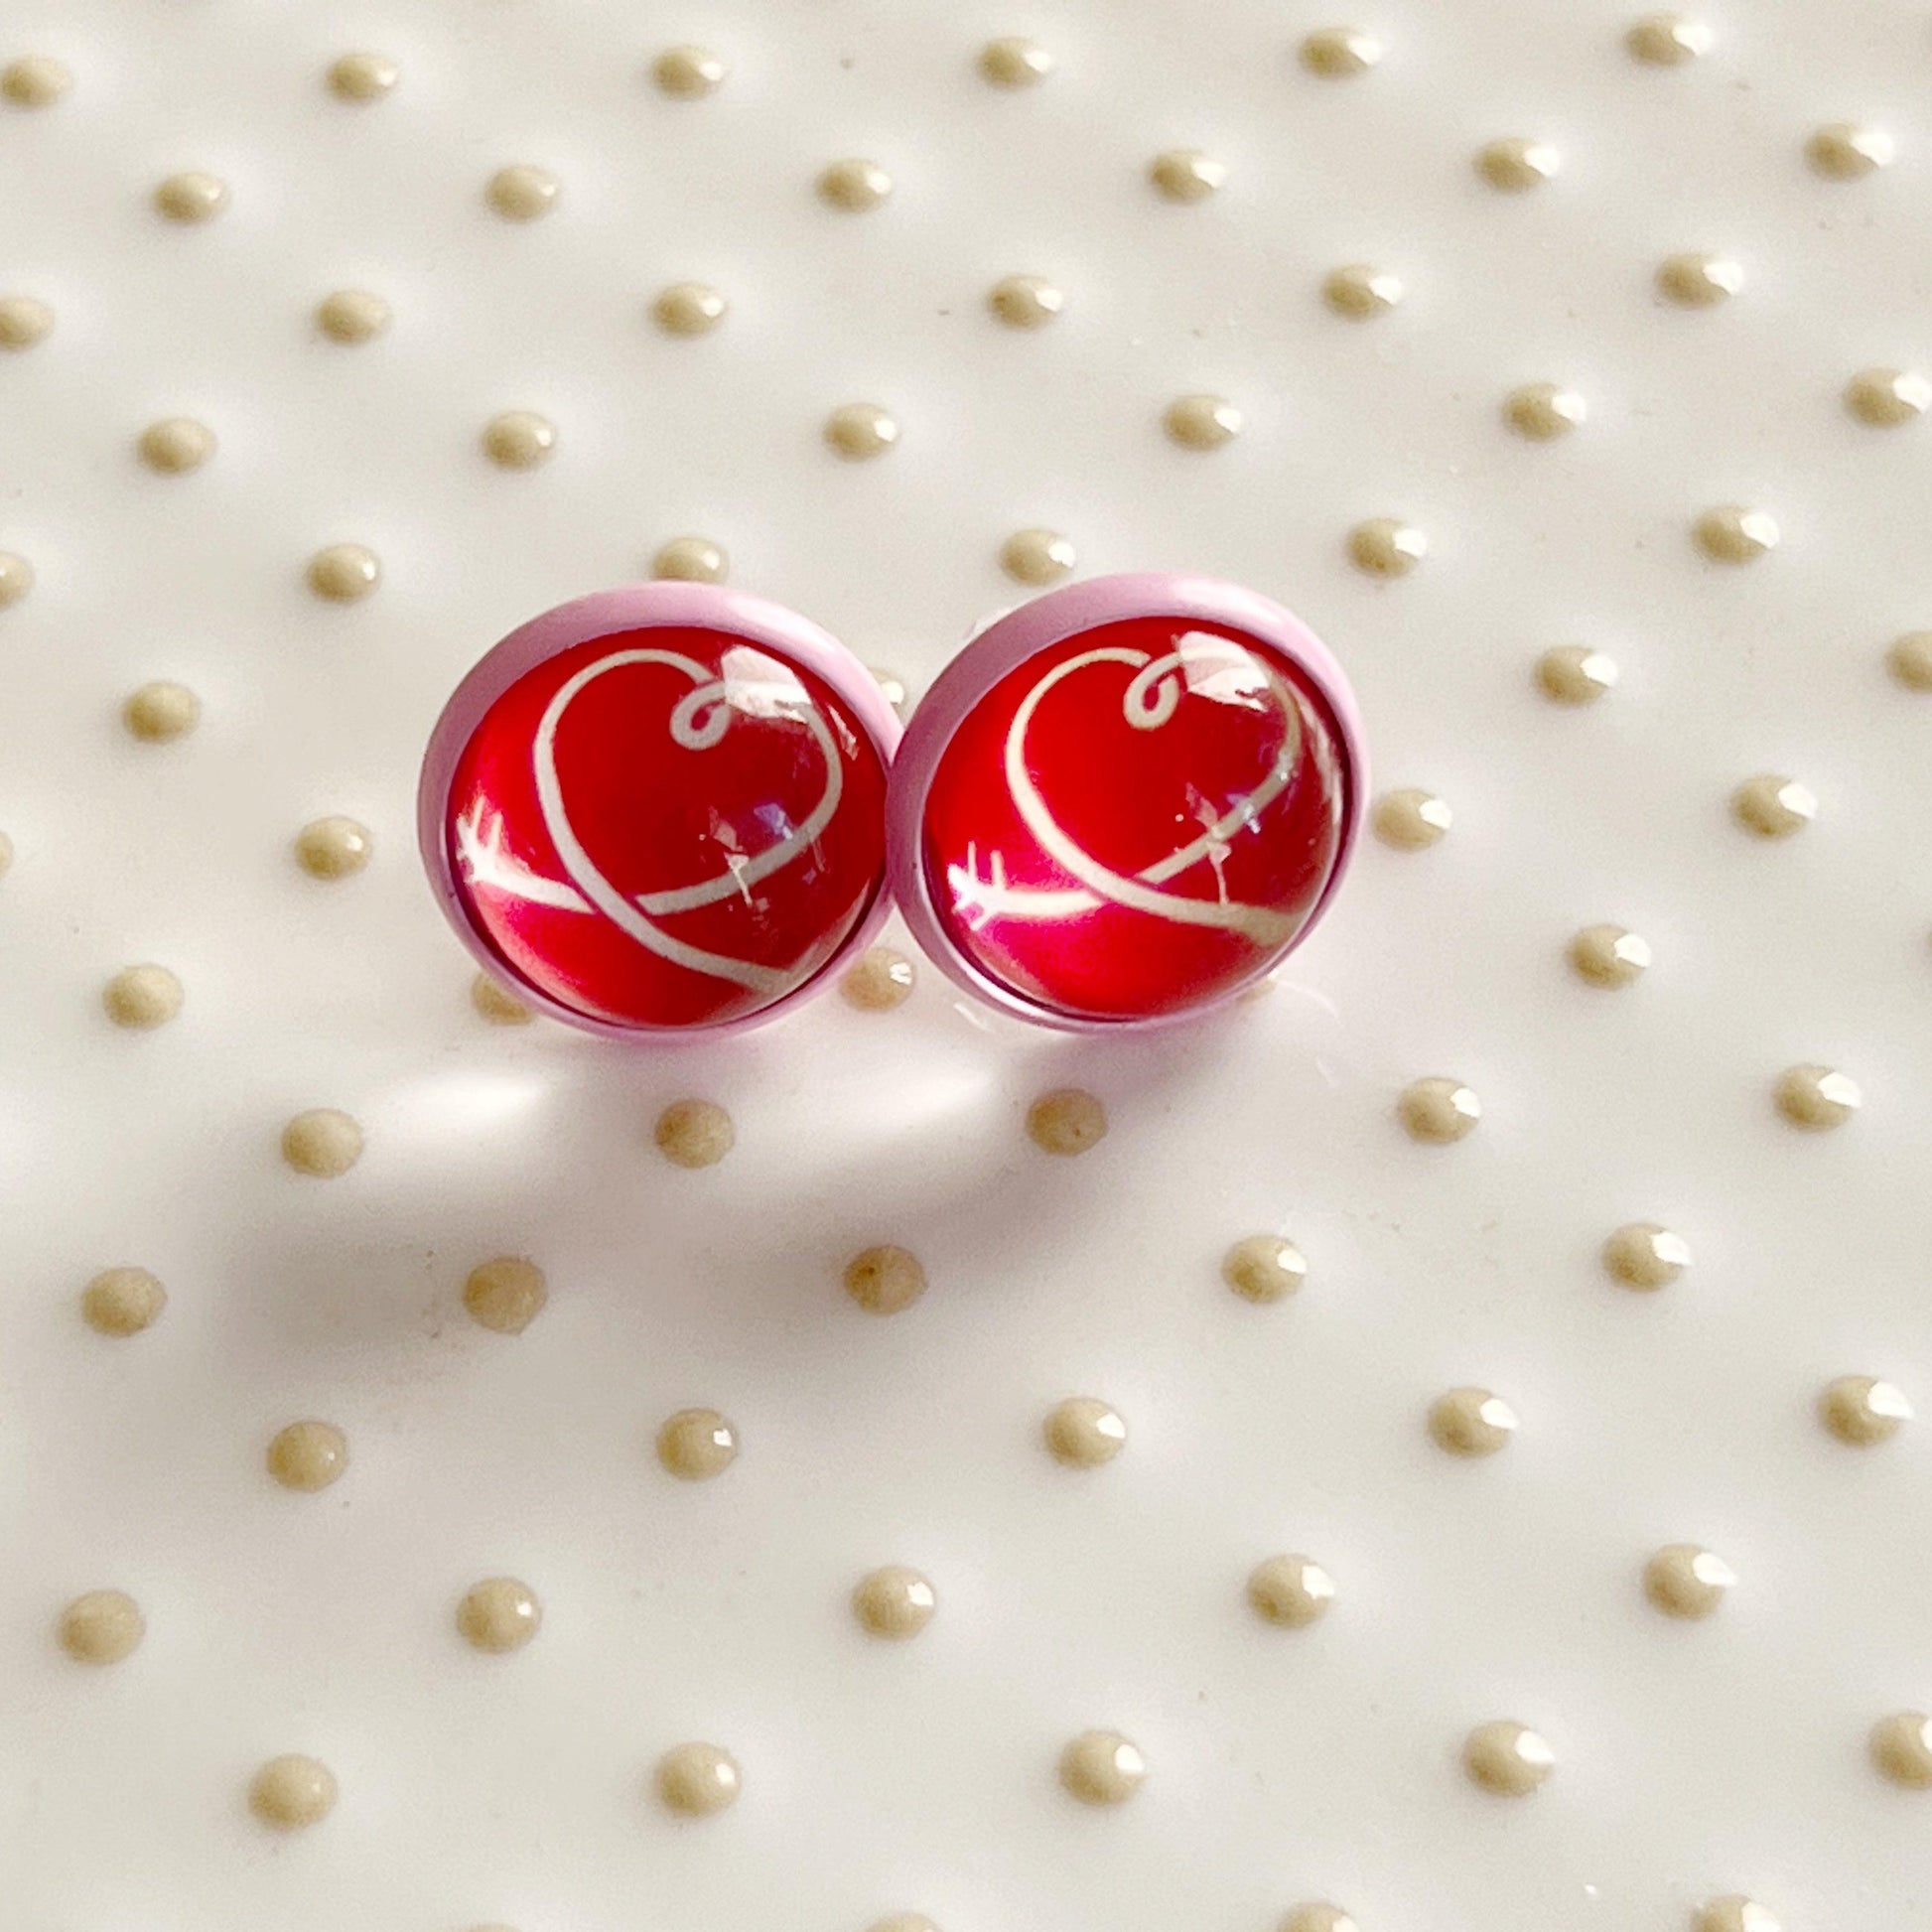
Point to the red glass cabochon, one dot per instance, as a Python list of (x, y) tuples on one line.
[(1138, 819), (641, 854)]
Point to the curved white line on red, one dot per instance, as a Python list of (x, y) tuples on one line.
[(1150, 700), (698, 721)]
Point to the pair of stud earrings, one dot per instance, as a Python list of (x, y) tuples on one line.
[(675, 807)]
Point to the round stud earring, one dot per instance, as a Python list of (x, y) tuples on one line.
[(660, 808), (1127, 801)]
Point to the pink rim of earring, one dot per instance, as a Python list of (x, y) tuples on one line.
[(1120, 806), (659, 810), (1126, 801)]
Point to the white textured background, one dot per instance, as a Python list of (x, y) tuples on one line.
[(1691, 1759)]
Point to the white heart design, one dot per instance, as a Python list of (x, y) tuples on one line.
[(1149, 701), (751, 684)]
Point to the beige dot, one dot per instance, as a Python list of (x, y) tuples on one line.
[(1543, 411), (497, 1003), (1437, 1110), (1069, 1120), (1359, 291), (102, 1627), (1685, 1580), (1901, 1749), (1014, 61), (1101, 1768), (1773, 807), (1608, 956), (121, 1302), (507, 1293), (307, 1454), (142, 997), (1037, 557), (1517, 163), (1696, 281), (6, 854), (1862, 1411), (1472, 1421), (1576, 674), (697, 1444), (854, 185), (885, 1280), (192, 195), (691, 560), (518, 438), (1290, 1590), (1202, 422), (1507, 1758), (498, 1614), (694, 1133), (35, 80), (1885, 398), (881, 980), (894, 1602), (688, 72), (176, 445), (1817, 1097), (345, 572), (1667, 39), (689, 309), (293, 1791), (322, 1143), (861, 429), (1264, 1268), (1186, 175), (1316, 1917), (1910, 659), (1733, 534), (522, 192), (362, 77), (352, 316), (1733, 1913), (332, 847), (904, 1922), (160, 713), (1642, 1254), (697, 1780), (16, 578), (1384, 546), (1844, 151), (23, 321), (1025, 301), (891, 687), (1335, 52), (1083, 1431), (1411, 820)]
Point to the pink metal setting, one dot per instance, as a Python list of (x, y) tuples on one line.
[(1125, 802), (661, 809)]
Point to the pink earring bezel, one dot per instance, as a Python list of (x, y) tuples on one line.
[(637, 606), (1023, 632)]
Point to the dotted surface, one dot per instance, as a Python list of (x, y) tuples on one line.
[(1384, 271)]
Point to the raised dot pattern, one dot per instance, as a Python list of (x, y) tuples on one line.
[(1682, 1580)]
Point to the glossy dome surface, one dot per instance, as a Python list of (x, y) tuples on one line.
[(664, 827), (1137, 820)]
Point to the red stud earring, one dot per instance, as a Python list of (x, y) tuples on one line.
[(661, 808), (1127, 801)]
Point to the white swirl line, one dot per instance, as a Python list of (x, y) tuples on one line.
[(1150, 700), (487, 861), (720, 698), (699, 720)]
